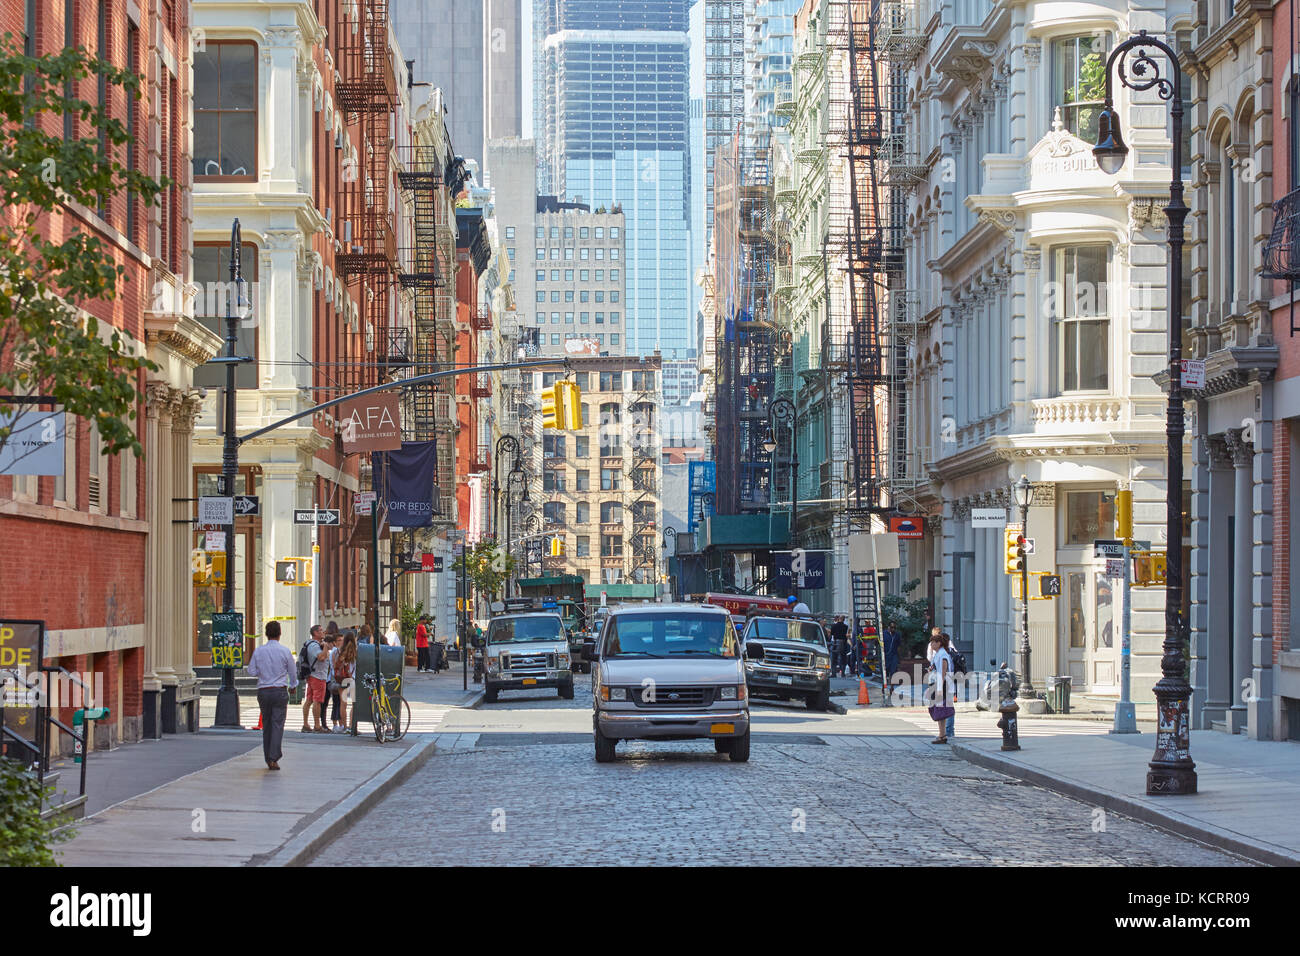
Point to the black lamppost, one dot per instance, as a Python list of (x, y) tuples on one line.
[(1023, 491), (518, 469), (783, 410), (1171, 770), (707, 502), (670, 535), (532, 527), (508, 444), (238, 308)]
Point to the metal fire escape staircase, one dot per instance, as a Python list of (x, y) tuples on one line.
[(641, 475)]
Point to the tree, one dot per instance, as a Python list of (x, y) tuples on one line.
[(47, 346), (488, 567), (25, 838), (910, 616)]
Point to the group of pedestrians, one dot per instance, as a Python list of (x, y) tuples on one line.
[(857, 655)]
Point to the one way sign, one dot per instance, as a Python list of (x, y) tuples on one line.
[(246, 505), (329, 516)]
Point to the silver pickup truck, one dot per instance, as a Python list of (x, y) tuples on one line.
[(525, 651), (668, 672), (796, 660)]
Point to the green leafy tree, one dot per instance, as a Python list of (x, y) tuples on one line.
[(409, 615), (25, 839), (489, 567), (47, 346), (910, 616)]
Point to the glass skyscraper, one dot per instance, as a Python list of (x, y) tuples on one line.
[(612, 116)]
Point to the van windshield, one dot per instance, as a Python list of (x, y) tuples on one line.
[(508, 630), (663, 635), (778, 629)]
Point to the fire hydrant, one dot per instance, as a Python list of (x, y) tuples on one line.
[(1007, 686)]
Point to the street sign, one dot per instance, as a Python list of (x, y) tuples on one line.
[(214, 510), (214, 541), (988, 517), (247, 505), (362, 500), (228, 640), (1193, 373), (1107, 548), (431, 562), (1114, 567), (326, 516), (908, 526), (1029, 546)]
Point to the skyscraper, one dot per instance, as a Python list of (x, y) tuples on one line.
[(611, 108)]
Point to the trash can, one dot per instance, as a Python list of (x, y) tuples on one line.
[(392, 661), (1058, 694)]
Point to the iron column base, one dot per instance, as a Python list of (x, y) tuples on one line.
[(227, 708), (1171, 771)]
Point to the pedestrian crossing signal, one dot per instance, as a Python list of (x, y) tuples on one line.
[(1149, 569), (1013, 549), (207, 567), (295, 572)]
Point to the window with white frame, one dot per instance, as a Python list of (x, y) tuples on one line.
[(1079, 82), (1079, 307)]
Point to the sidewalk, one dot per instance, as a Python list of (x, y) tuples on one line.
[(171, 802), (1244, 786)]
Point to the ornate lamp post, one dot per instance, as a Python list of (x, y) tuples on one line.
[(518, 469), (506, 444), (670, 551), (1023, 492), (783, 410), (1171, 770)]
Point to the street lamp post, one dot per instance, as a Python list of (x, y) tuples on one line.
[(518, 469), (238, 309), (670, 535), (507, 444), (1023, 492), (1171, 769), (783, 410)]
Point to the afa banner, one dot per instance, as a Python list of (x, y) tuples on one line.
[(814, 571), (405, 481)]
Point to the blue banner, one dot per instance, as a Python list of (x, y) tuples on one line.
[(814, 572), (405, 480)]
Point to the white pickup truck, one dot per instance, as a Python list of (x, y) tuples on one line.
[(524, 651)]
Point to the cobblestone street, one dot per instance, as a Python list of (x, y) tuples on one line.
[(819, 789)]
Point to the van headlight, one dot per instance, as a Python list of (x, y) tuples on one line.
[(493, 664), (732, 692), (613, 693), (562, 660)]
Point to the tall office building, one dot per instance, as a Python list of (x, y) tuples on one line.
[(611, 107), (724, 83), (473, 52)]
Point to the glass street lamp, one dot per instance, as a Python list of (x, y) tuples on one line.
[(1171, 769), (1023, 493)]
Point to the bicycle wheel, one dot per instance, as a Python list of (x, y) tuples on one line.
[(377, 711), (400, 723)]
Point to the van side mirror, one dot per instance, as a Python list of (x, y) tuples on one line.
[(754, 652)]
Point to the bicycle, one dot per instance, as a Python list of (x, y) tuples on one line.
[(389, 725)]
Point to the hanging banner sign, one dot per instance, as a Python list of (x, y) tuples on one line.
[(34, 445), (813, 577), (405, 480), (910, 526), (22, 650)]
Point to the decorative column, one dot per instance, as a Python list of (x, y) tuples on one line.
[(157, 652), (1212, 593), (187, 408), (1242, 452)]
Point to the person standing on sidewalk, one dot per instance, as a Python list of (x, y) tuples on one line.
[(941, 710), (394, 636), (318, 678), (343, 668), (422, 646), (839, 645), (276, 671)]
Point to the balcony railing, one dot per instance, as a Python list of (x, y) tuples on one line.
[(482, 319), (1281, 250), (399, 347), (481, 385)]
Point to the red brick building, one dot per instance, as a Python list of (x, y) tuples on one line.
[(94, 553)]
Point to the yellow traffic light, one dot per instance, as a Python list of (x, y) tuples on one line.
[(1013, 557), (551, 410), (571, 404), (557, 547), (1124, 515), (1149, 569)]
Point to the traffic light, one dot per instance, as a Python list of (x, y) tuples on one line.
[(552, 411), (1014, 558), (1124, 515), (557, 547), (570, 396)]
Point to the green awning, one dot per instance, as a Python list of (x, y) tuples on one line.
[(613, 591), (753, 532)]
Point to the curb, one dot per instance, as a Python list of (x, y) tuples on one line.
[(339, 818), (1129, 807)]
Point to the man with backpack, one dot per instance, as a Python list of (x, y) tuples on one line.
[(313, 667)]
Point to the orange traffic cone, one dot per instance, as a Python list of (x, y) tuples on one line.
[(259, 721), (863, 699)]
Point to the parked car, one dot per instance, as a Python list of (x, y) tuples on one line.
[(668, 672), (796, 659), (525, 651)]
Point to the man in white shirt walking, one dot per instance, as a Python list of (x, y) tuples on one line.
[(276, 670)]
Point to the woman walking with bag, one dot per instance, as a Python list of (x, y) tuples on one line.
[(943, 686)]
